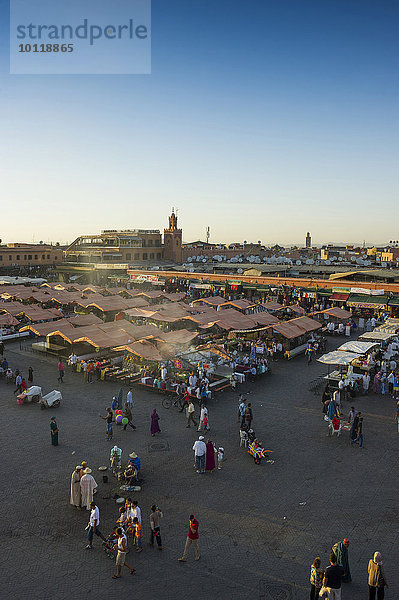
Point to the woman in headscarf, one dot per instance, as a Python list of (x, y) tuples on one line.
[(340, 550), (75, 487), (155, 428), (377, 580), (54, 431), (376, 383), (210, 456)]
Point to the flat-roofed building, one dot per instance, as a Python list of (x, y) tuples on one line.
[(116, 246), (17, 254)]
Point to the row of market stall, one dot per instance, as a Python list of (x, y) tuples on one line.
[(353, 359)]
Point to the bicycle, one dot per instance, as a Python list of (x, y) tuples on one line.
[(167, 402)]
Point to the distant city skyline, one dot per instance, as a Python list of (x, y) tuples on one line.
[(262, 120)]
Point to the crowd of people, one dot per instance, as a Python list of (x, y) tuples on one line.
[(327, 582)]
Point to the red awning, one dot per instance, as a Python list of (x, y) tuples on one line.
[(338, 296)]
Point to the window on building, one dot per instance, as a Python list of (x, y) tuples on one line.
[(18, 257), (25, 257), (9, 257), (128, 256), (136, 256), (150, 242), (29, 256), (48, 256), (143, 243), (43, 256), (158, 255), (1, 257), (55, 258), (36, 257), (145, 256), (152, 256)]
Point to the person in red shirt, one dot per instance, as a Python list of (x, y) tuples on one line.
[(23, 385), (192, 538)]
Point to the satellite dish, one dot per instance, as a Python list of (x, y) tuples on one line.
[(239, 271), (298, 262), (340, 258), (328, 262)]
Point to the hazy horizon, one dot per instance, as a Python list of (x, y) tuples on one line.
[(269, 118)]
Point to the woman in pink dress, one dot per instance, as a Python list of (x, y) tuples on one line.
[(155, 428), (210, 456)]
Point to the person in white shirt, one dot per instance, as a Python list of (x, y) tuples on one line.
[(203, 414), (129, 399), (341, 328), (384, 366), (163, 373), (199, 452), (390, 380), (135, 511), (93, 527), (373, 322), (337, 399), (392, 365), (366, 383), (352, 415)]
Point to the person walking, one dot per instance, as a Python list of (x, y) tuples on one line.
[(248, 416), (316, 578), (120, 560), (18, 382), (340, 550), (190, 414), (203, 414), (241, 412), (60, 371), (87, 487), (199, 453), (332, 579), (155, 428), (376, 580), (128, 414), (359, 433), (54, 431), (94, 529), (76, 495), (210, 462), (220, 457), (129, 398), (192, 539), (155, 517), (108, 418)]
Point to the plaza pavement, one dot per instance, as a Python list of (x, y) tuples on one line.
[(257, 538)]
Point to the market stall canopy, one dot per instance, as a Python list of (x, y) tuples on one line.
[(211, 300), (53, 327), (142, 349), (231, 319), (358, 347), (84, 320), (339, 296), (337, 312), (295, 308), (377, 336), (288, 330), (306, 323), (37, 314), (264, 318), (271, 306), (7, 320), (135, 313), (12, 308), (367, 301), (242, 304), (338, 358)]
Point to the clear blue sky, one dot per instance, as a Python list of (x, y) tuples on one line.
[(263, 119)]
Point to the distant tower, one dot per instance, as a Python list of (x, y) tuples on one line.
[(308, 241), (208, 234), (172, 238)]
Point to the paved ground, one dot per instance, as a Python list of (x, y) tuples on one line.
[(257, 538)]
